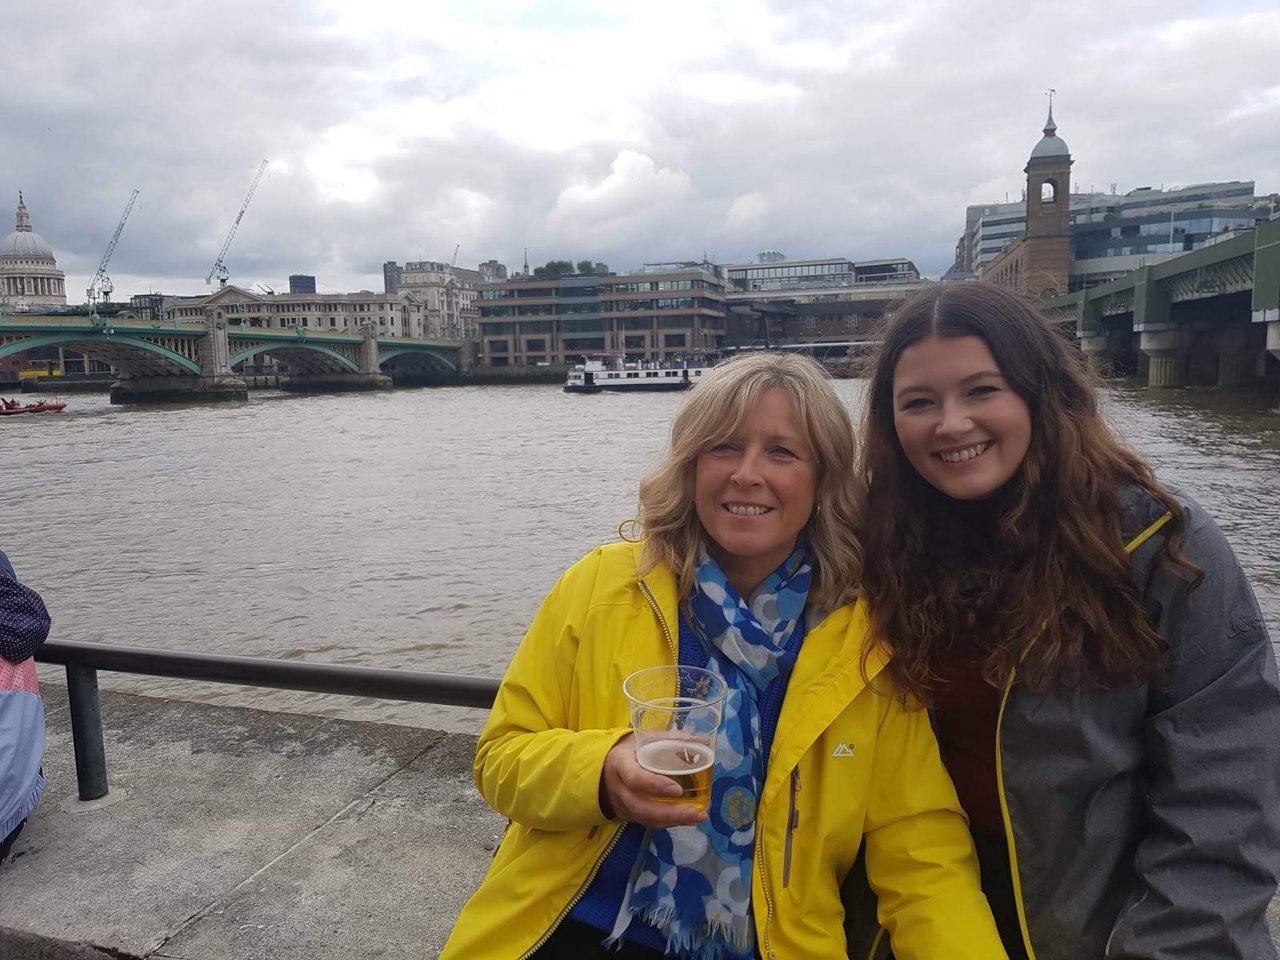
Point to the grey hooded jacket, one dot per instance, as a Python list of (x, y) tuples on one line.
[(1145, 822)]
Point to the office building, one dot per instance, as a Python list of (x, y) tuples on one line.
[(1108, 234), (829, 300), (661, 312), (448, 294), (772, 271), (390, 314)]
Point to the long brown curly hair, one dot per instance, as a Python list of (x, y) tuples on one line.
[(1051, 593)]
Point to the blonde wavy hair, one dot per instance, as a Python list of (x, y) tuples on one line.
[(716, 409)]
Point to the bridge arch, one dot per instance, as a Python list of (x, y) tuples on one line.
[(292, 346), (90, 346), (430, 356)]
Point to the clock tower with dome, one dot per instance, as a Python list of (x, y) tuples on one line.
[(1037, 262)]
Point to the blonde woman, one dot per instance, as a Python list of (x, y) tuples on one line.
[(745, 567)]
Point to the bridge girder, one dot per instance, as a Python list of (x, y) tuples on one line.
[(416, 358), (302, 356), (141, 352), (138, 356)]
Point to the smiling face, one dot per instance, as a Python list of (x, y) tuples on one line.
[(754, 491), (961, 426)]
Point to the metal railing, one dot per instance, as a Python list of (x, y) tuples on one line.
[(84, 660)]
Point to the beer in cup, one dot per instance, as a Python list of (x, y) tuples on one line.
[(675, 713)]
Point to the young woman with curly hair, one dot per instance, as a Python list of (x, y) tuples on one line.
[(1100, 677)]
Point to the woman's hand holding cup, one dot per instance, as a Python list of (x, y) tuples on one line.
[(628, 790)]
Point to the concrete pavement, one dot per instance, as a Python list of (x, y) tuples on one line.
[(234, 834)]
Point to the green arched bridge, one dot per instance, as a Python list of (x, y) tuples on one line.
[(168, 360)]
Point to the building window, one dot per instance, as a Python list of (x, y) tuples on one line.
[(674, 340)]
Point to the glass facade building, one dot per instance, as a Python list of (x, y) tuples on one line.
[(782, 274), (1112, 234), (660, 314)]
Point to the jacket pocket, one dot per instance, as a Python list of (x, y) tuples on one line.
[(793, 821)]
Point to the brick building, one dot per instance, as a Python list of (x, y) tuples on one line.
[(1037, 262)]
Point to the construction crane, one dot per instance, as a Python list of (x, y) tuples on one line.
[(219, 269), (101, 287), (448, 296)]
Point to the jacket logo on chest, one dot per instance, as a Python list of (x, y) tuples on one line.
[(843, 750)]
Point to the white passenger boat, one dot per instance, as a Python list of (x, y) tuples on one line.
[(634, 376)]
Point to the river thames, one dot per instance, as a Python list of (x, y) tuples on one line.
[(420, 528)]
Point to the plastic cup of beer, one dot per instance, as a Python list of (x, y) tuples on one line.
[(675, 713)]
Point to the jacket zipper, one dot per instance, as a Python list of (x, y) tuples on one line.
[(1008, 824), (573, 901), (793, 821), (591, 875), (764, 885), (875, 944), (1129, 548), (662, 621)]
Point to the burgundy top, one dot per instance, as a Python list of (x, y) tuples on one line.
[(966, 709), (964, 549)]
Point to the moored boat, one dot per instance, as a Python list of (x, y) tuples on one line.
[(638, 376)]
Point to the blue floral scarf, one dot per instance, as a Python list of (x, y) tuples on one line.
[(694, 883)]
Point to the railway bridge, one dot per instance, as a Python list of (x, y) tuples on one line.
[(199, 360), (1208, 317)]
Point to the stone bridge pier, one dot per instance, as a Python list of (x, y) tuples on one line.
[(1273, 338), (1166, 354), (215, 382), (1110, 349), (1266, 285), (1207, 317), (370, 376)]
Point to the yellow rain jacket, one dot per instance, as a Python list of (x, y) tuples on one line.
[(847, 765)]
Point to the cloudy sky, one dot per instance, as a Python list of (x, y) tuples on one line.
[(622, 132)]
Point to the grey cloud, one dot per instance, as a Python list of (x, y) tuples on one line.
[(873, 157)]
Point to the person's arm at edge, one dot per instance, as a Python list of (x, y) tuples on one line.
[(1208, 865), (26, 624), (531, 765)]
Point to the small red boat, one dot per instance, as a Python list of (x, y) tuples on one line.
[(9, 408)]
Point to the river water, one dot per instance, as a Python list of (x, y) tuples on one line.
[(420, 528)]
